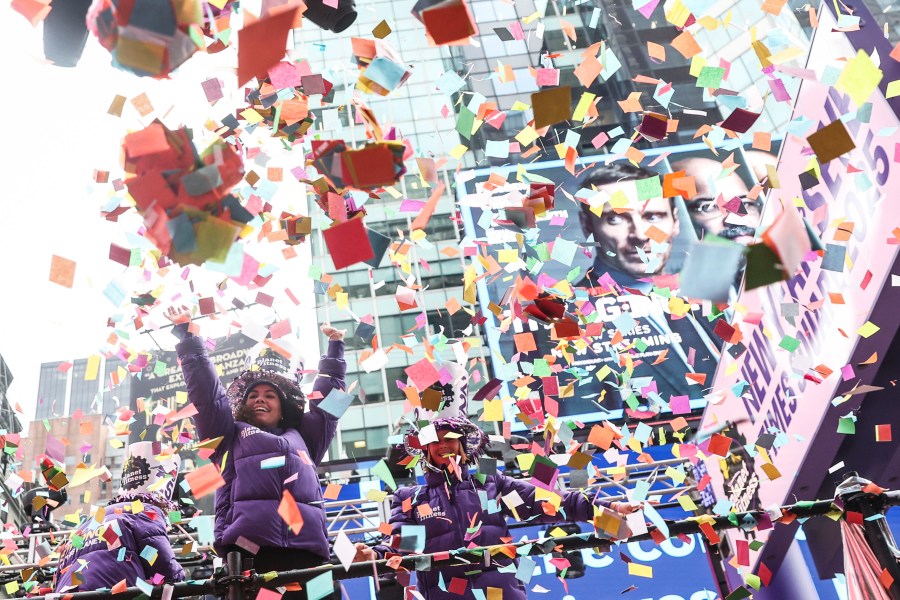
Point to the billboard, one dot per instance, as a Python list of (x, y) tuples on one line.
[(801, 338), (582, 300)]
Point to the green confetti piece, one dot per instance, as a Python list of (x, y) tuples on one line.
[(739, 594), (846, 425), (649, 187), (710, 77), (789, 343)]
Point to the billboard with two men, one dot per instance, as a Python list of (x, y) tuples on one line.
[(590, 262)]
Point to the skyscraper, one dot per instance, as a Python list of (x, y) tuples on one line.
[(92, 385), (10, 510)]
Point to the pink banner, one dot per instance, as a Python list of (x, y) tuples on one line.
[(800, 335)]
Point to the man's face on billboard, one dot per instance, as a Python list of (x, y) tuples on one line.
[(621, 234), (737, 223)]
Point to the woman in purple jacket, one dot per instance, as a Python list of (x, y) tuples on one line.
[(269, 450), (458, 509), (131, 542)]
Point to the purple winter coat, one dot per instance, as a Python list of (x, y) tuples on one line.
[(247, 505), (108, 564), (445, 528)]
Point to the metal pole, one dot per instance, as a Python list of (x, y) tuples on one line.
[(234, 578)]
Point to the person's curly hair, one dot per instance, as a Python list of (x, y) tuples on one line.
[(293, 403)]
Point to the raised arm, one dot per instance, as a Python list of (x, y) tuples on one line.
[(317, 426), (575, 505), (205, 390)]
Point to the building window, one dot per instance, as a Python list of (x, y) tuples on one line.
[(370, 387), (393, 375), (451, 325), (364, 442), (441, 229)]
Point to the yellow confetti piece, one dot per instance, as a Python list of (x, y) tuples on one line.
[(676, 475), (639, 570), (525, 460), (859, 78), (92, 368), (583, 105), (458, 151), (697, 64), (394, 192), (251, 116), (868, 329), (708, 23), (546, 495), (687, 503), (376, 495), (893, 89), (678, 14), (527, 136), (493, 410), (786, 55)]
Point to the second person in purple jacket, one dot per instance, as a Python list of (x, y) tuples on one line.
[(457, 509), (270, 449)]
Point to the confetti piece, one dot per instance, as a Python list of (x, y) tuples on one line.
[(62, 271)]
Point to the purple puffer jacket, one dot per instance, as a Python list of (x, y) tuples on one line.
[(247, 505), (112, 558), (445, 527)]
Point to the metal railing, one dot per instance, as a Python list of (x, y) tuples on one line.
[(355, 516), (235, 585)]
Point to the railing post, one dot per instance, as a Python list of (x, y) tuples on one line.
[(234, 569)]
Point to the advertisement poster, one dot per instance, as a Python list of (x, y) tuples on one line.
[(600, 326)]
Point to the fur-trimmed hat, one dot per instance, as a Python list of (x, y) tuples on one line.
[(474, 441), (265, 365)]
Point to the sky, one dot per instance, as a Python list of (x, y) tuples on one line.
[(57, 132)]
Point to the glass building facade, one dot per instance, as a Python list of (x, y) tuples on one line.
[(64, 389), (52, 391)]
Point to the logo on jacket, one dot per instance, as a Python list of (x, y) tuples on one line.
[(248, 431), (435, 512)]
